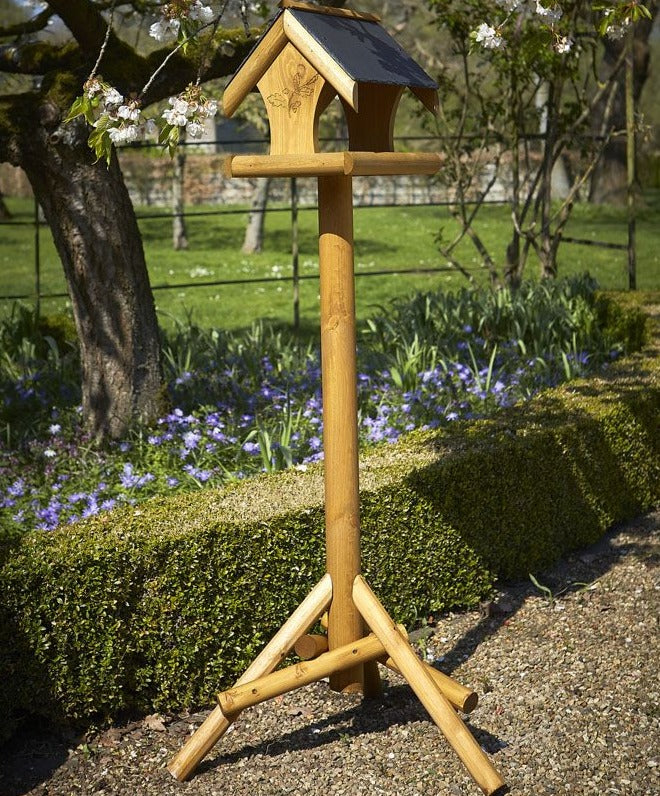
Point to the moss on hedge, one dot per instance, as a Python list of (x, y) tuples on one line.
[(158, 607)]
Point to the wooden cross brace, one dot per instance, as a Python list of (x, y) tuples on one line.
[(441, 695)]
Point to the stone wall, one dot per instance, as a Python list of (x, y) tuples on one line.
[(149, 181)]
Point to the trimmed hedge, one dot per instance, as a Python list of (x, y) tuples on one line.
[(158, 607)]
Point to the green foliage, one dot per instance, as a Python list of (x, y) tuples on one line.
[(157, 607), (622, 320)]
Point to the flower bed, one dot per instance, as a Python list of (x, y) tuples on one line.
[(251, 402)]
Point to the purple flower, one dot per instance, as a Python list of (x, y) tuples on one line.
[(191, 439), (200, 475), (251, 447), (17, 489)]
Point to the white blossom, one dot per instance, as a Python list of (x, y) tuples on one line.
[(93, 87), (210, 108), (488, 36), (174, 118), (194, 129), (616, 32), (510, 5), (165, 29), (550, 15), (180, 105), (150, 127), (200, 12), (130, 112), (112, 97), (563, 44), (124, 134)]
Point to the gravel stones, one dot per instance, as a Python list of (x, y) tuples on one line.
[(568, 684)]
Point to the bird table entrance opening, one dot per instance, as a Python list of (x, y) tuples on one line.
[(307, 56)]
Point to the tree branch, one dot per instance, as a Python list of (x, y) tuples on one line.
[(85, 21), (37, 58), (34, 25)]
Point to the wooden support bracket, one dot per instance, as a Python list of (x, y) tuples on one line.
[(217, 724), (464, 699), (422, 683)]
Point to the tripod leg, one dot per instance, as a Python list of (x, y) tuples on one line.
[(216, 725), (428, 693)]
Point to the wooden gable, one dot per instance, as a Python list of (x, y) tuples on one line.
[(307, 56)]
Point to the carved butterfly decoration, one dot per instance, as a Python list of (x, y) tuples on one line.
[(292, 97)]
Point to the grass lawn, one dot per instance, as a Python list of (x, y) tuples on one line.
[(385, 239)]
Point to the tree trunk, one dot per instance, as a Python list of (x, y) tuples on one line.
[(5, 214), (179, 237), (608, 183), (254, 232), (95, 232)]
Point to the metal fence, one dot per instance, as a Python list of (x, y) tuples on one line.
[(293, 208)]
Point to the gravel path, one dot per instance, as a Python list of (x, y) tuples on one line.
[(568, 691)]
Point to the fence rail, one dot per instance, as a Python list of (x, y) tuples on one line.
[(293, 208)]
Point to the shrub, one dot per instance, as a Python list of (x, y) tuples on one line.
[(161, 605)]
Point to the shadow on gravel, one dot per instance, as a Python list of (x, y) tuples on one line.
[(571, 575), (31, 757), (398, 707)]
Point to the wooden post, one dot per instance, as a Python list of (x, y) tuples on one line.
[(630, 158), (340, 433), (421, 682), (216, 724)]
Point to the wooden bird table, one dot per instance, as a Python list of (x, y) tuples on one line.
[(348, 656), (308, 56)]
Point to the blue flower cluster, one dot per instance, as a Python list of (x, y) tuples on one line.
[(252, 403)]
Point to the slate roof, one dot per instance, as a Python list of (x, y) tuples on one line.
[(364, 49), (360, 47)]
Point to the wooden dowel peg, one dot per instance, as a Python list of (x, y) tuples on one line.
[(216, 724), (284, 680), (424, 686), (310, 646)]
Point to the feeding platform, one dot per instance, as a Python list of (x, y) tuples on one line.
[(308, 56)]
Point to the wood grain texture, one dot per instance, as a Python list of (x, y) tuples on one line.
[(310, 646), (357, 164), (255, 65), (294, 95), (329, 10), (372, 129), (216, 724), (340, 432), (457, 734), (300, 674), (460, 697)]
